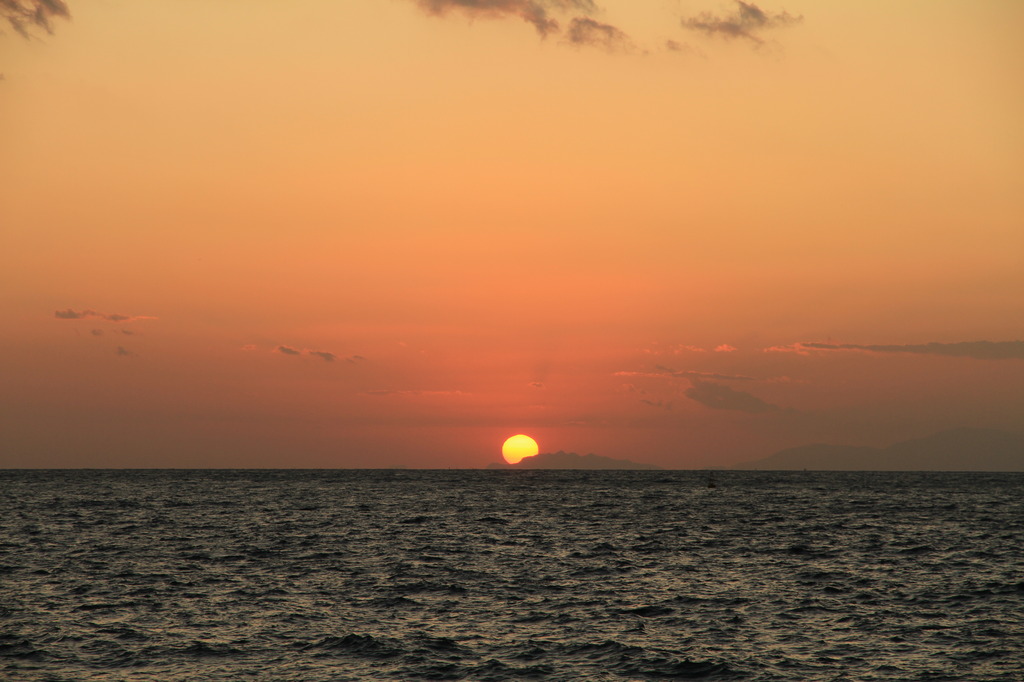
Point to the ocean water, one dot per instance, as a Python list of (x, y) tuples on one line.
[(509, 575)]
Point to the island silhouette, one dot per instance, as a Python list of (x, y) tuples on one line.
[(961, 449)]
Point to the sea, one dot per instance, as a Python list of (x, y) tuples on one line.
[(510, 575)]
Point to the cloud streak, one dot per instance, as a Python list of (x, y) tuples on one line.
[(415, 392), (673, 349), (747, 22), (71, 314), (979, 350), (24, 17), (662, 372), (694, 374), (324, 355)]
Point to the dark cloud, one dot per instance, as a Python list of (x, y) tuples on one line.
[(535, 12), (323, 355), (288, 350), (586, 31), (980, 350), (24, 16), (660, 404), (720, 397), (71, 314), (124, 352), (96, 332), (746, 22), (537, 384), (355, 358)]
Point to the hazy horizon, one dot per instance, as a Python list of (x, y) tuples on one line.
[(952, 451)]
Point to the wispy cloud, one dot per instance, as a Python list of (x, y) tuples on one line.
[(980, 350), (24, 16), (692, 374), (538, 13), (587, 31), (721, 397), (71, 314), (123, 352), (545, 17), (326, 356), (746, 22), (681, 48)]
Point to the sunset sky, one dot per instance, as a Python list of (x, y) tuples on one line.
[(364, 233)]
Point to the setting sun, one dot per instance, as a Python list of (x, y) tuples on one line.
[(517, 447)]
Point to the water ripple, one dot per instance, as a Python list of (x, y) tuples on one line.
[(494, 575)]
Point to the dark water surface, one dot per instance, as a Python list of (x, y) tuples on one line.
[(504, 575)]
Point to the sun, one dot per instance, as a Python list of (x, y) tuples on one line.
[(517, 447)]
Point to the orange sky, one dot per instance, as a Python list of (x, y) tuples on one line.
[(390, 232)]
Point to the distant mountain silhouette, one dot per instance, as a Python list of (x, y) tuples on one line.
[(954, 450), (570, 460)]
